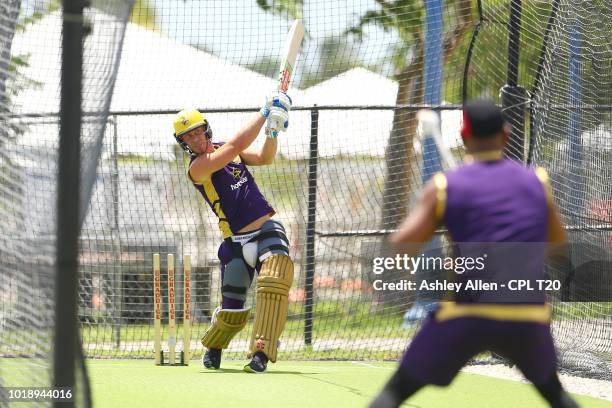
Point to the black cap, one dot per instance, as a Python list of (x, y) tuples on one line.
[(481, 118)]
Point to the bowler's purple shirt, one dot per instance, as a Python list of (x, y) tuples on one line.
[(496, 200)]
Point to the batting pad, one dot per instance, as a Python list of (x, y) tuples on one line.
[(226, 323), (273, 285)]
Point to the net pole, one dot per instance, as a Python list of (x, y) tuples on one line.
[(313, 162), (470, 52), (514, 35), (538, 78), (514, 97), (116, 238), (433, 80), (68, 193), (576, 185)]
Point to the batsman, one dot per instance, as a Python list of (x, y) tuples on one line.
[(253, 241)]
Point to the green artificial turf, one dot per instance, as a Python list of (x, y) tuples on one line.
[(139, 383)]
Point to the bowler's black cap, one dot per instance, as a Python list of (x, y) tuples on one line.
[(481, 118)]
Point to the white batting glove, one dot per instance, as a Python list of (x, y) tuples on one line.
[(278, 115), (278, 121), (278, 99)]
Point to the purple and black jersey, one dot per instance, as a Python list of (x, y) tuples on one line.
[(496, 212), (234, 197), (489, 201), (496, 201)]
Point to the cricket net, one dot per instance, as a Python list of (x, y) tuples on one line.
[(347, 169), (31, 66)]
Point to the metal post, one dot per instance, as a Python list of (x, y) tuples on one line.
[(432, 76), (118, 273), (470, 51), (514, 97), (574, 145), (433, 79), (68, 193), (536, 84), (313, 161)]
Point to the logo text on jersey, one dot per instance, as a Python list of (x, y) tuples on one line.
[(239, 183)]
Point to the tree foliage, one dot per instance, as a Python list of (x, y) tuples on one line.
[(291, 8), (266, 65), (406, 18), (143, 14), (15, 81), (336, 56), (486, 74)]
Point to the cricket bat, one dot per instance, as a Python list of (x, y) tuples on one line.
[(429, 126), (289, 55)]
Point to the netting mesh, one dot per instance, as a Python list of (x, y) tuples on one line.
[(368, 163), (572, 137), (29, 153)]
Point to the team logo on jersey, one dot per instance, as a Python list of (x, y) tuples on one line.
[(236, 173)]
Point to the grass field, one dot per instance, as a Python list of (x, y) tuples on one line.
[(138, 383)]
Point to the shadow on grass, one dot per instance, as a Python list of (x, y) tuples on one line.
[(352, 390), (240, 371)]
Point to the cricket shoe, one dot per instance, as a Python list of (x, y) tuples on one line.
[(258, 364), (212, 358)]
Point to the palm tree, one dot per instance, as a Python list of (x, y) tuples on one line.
[(406, 19)]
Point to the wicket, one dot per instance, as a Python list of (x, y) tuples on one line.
[(172, 336)]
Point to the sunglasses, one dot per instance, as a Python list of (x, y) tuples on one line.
[(207, 132)]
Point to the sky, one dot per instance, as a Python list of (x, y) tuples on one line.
[(241, 31)]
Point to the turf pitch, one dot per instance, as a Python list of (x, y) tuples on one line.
[(139, 383)]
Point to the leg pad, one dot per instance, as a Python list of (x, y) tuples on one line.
[(273, 285), (226, 323)]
